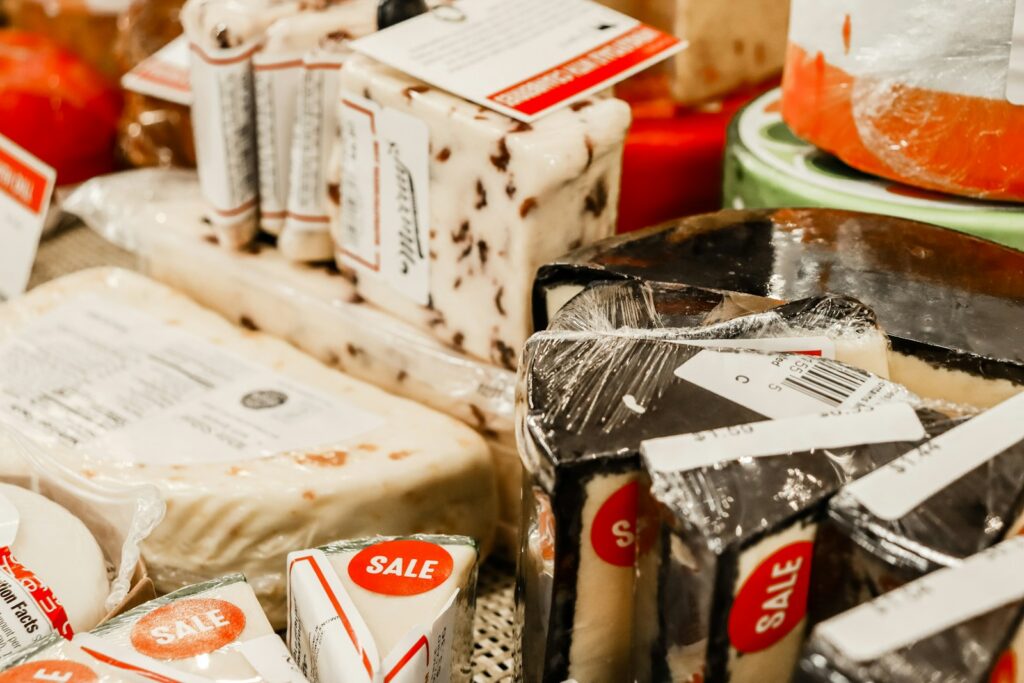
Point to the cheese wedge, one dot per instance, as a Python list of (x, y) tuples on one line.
[(951, 304), (57, 659), (257, 448), (386, 609)]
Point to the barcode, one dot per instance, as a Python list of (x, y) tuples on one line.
[(830, 383)]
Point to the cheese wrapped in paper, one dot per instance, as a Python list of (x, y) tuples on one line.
[(407, 602), (479, 201), (256, 447), (591, 390), (951, 304)]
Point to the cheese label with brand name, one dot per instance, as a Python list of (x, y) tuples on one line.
[(26, 184), (164, 74), (522, 58)]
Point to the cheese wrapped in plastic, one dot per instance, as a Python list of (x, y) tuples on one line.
[(384, 608), (958, 624), (57, 659), (952, 304), (212, 631), (471, 202), (914, 91), (256, 447), (594, 388)]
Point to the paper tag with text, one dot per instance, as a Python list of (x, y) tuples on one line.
[(164, 74), (26, 184), (523, 58)]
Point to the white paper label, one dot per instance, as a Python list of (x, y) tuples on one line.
[(277, 83), (22, 619), (127, 387), (225, 138), (929, 605), (385, 195), (894, 490), (522, 58), (786, 385), (119, 657), (164, 74), (822, 347), (26, 184), (1015, 76), (269, 656), (882, 424)]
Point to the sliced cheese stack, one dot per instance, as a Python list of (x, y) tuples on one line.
[(936, 505), (766, 165), (723, 595), (256, 447), (57, 659), (383, 609), (952, 625), (471, 203), (42, 592), (951, 304), (588, 399), (213, 631), (915, 91)]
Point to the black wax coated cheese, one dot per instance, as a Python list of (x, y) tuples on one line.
[(944, 297), (720, 513), (968, 652)]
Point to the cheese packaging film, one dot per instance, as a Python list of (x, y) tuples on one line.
[(476, 202), (767, 166), (383, 609), (729, 45), (951, 497), (271, 450), (725, 590), (919, 92), (951, 304), (57, 659), (587, 400), (952, 625), (212, 631)]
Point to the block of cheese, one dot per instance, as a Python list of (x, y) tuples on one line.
[(952, 625), (256, 447), (57, 659), (723, 593), (767, 166), (41, 592), (474, 204), (951, 303), (728, 45), (916, 91), (936, 505), (383, 609), (212, 631), (588, 399)]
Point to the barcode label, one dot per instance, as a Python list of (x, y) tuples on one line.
[(777, 386)]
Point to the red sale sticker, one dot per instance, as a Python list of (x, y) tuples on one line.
[(187, 628), (50, 670), (773, 599), (403, 567), (617, 526), (1005, 670)]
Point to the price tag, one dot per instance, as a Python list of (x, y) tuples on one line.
[(26, 184)]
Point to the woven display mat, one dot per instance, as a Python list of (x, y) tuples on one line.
[(78, 247)]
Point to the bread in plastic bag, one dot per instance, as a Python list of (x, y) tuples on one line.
[(913, 91), (952, 305), (589, 394)]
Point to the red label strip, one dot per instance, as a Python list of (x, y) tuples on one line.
[(40, 593)]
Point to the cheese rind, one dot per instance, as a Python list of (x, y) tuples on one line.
[(232, 514)]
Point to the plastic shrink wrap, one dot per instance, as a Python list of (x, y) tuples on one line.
[(608, 377), (504, 197), (952, 305), (958, 624), (912, 91), (933, 507), (271, 450), (57, 659), (158, 214), (729, 45), (767, 166)]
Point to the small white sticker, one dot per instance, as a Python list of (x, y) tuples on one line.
[(786, 385), (26, 184), (894, 490), (164, 74), (385, 195), (821, 347), (522, 58), (883, 424), (929, 605), (1015, 77)]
